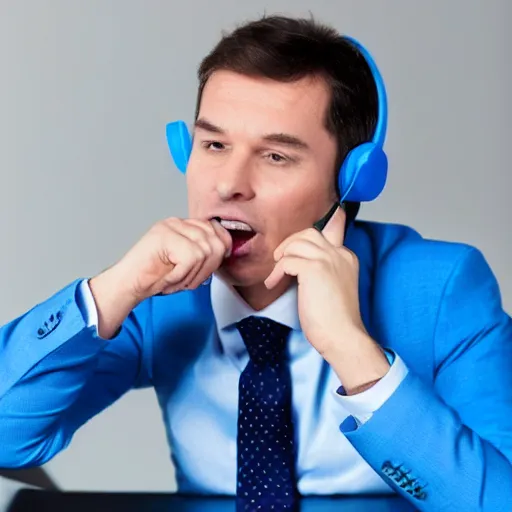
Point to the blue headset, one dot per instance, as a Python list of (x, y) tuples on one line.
[(363, 174)]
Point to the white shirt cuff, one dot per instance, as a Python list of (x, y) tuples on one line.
[(362, 405), (89, 310)]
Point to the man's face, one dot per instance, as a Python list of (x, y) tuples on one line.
[(262, 155)]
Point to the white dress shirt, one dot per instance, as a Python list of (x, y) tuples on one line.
[(319, 408)]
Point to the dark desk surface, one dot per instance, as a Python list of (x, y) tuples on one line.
[(51, 501)]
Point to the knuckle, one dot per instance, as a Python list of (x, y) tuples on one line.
[(200, 225), (182, 273), (199, 254), (169, 222), (207, 225), (200, 235), (165, 257), (188, 253), (292, 245), (313, 234), (164, 227), (207, 249), (351, 257), (282, 265), (217, 245), (223, 239), (157, 228)]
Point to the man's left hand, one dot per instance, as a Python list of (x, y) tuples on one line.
[(328, 299)]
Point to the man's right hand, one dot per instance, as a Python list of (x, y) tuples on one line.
[(174, 255)]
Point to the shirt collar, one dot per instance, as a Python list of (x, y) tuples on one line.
[(229, 307)]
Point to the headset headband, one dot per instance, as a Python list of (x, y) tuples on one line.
[(379, 135)]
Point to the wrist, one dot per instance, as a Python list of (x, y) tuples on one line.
[(113, 298), (112, 285), (358, 361)]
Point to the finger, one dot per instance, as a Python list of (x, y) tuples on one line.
[(200, 278), (217, 235), (197, 235), (204, 271), (214, 228), (310, 234), (304, 249), (188, 281), (206, 265), (334, 231), (184, 277), (174, 280), (224, 236), (201, 224), (182, 249), (203, 248), (289, 265)]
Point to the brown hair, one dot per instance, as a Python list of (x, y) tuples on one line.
[(287, 49)]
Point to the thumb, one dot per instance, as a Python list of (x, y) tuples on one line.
[(334, 230)]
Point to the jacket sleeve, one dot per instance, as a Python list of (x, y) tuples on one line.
[(447, 445), (56, 373)]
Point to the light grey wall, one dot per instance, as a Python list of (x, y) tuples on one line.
[(86, 88)]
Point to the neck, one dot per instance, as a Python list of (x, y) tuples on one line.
[(258, 296)]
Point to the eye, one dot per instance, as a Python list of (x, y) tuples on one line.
[(213, 145), (276, 158)]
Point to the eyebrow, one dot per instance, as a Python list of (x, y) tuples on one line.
[(205, 125), (284, 139)]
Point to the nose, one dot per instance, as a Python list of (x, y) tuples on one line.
[(234, 179)]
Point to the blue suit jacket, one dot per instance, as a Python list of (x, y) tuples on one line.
[(443, 439)]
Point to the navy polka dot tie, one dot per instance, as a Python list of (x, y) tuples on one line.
[(266, 454)]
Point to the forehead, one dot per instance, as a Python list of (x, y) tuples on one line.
[(254, 105)]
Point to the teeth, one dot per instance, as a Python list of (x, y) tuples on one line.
[(235, 225)]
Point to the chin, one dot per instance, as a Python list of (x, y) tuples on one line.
[(242, 274)]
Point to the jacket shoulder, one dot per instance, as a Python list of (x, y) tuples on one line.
[(409, 275), (401, 250)]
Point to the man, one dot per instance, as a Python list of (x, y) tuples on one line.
[(358, 359)]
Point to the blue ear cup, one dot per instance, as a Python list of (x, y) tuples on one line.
[(180, 144), (363, 174)]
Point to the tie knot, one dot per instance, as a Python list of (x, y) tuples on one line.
[(265, 339)]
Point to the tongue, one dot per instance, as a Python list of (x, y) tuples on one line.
[(239, 238)]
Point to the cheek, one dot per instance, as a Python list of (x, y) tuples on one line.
[(299, 206), (197, 184), (201, 175), (195, 195)]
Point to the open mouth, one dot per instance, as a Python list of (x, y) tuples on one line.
[(240, 232)]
